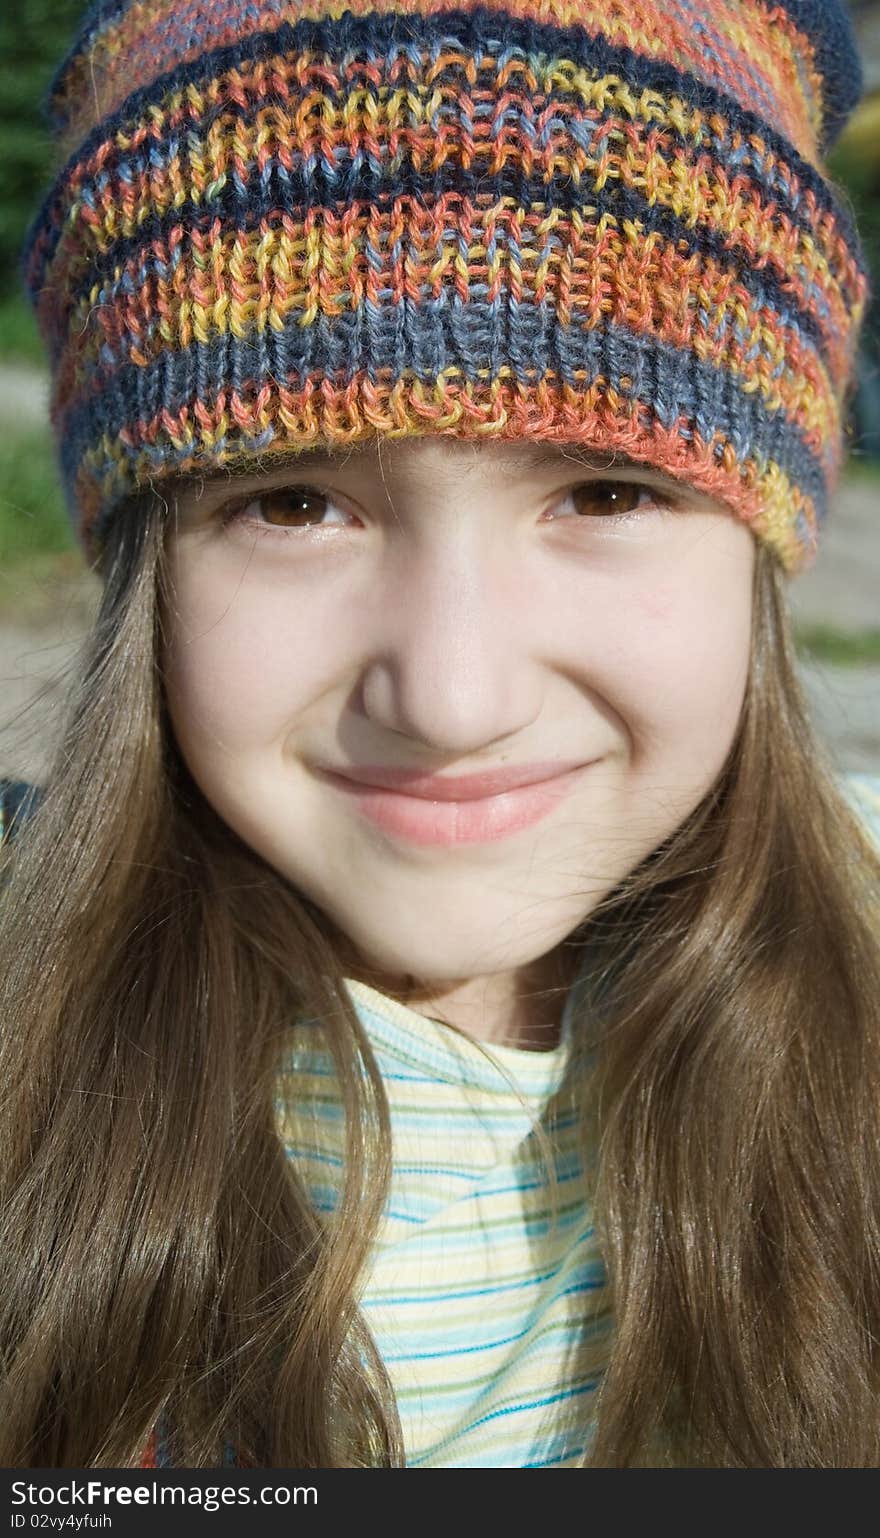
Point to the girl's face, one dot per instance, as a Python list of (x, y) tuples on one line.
[(437, 608)]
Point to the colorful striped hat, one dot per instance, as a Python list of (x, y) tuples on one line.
[(279, 225)]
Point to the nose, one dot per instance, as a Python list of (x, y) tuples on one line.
[(453, 666)]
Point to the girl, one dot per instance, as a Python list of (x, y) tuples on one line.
[(440, 973)]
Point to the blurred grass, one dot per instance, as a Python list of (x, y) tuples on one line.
[(865, 471), (42, 569), (33, 521), (842, 648), (20, 341)]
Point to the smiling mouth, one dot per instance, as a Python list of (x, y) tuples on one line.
[(462, 787), (419, 816)]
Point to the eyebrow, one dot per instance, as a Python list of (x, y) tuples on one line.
[(555, 455)]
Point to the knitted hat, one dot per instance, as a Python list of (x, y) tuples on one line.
[(283, 225)]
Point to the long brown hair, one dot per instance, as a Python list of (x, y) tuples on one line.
[(159, 1255)]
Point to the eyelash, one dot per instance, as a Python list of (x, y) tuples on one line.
[(232, 513)]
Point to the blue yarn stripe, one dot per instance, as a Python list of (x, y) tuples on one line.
[(434, 336)]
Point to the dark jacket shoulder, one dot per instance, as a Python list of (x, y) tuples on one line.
[(17, 799)]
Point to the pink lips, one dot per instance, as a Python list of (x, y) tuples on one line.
[(445, 810)]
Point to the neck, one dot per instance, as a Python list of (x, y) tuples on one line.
[(520, 1008)]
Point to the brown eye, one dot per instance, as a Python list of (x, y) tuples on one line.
[(286, 509), (606, 498), (289, 507)]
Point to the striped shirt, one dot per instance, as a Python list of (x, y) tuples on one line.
[(491, 1318), (863, 793)]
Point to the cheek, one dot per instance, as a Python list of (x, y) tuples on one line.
[(693, 637), (239, 666)]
